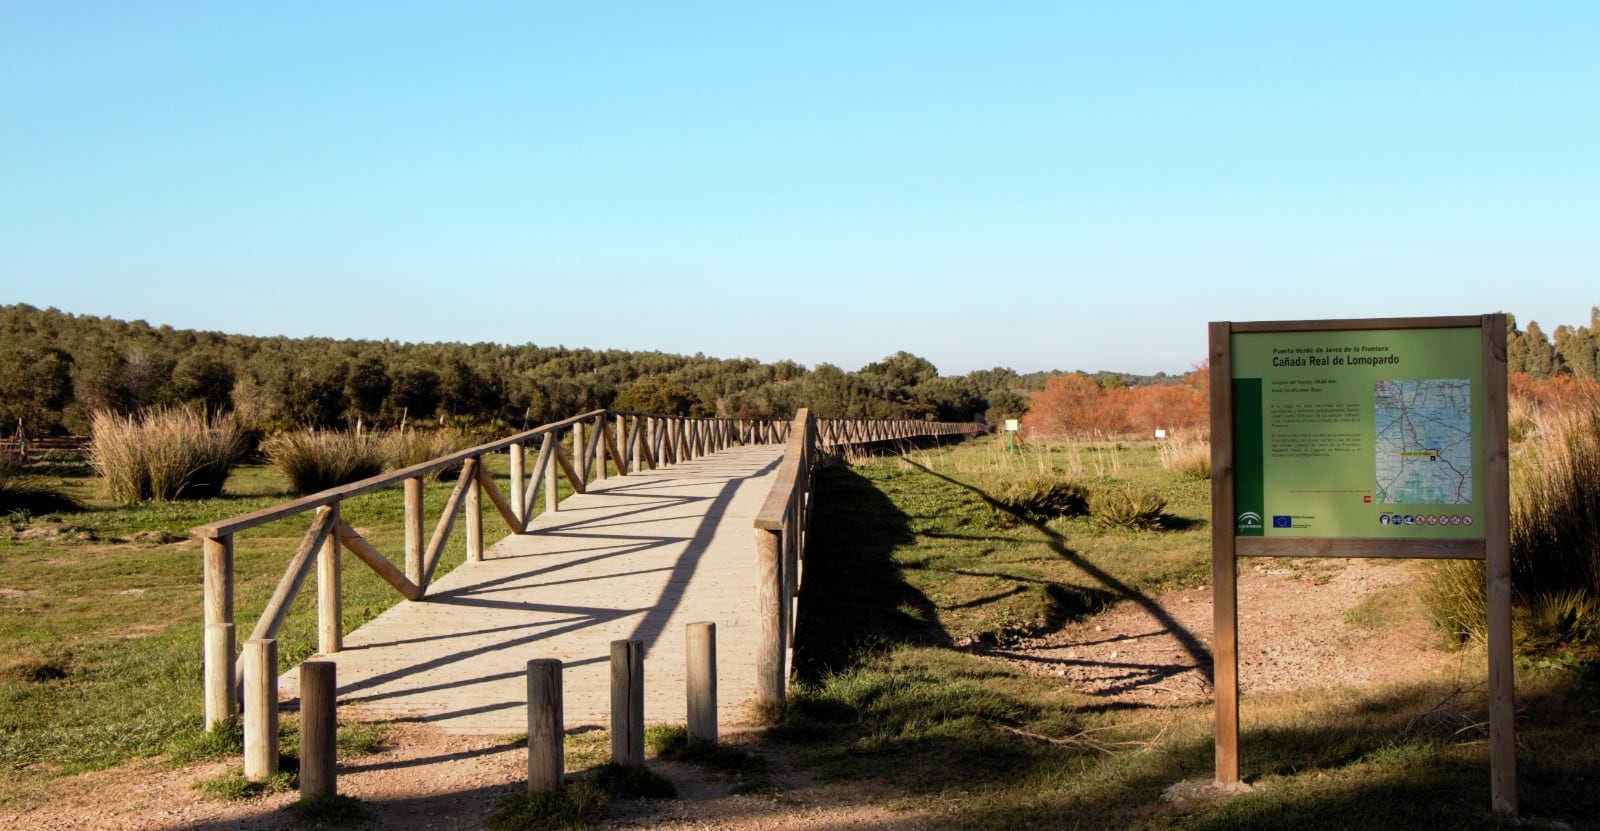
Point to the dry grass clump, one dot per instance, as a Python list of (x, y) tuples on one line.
[(1136, 509), (410, 447), (165, 455), (1187, 459), (316, 460), (1555, 539)]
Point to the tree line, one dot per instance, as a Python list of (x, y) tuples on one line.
[(58, 369)]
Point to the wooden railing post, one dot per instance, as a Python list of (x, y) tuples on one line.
[(700, 675), (260, 708), (546, 726), (330, 580), (519, 483), (578, 455), (217, 594), (552, 472), (413, 522), (474, 509), (772, 669), (627, 702)]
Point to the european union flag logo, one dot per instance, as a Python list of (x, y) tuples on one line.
[(1279, 521)]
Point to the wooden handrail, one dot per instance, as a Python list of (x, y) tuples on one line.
[(629, 441), (784, 522)]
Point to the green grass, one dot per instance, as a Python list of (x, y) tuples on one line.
[(913, 558), (100, 621)]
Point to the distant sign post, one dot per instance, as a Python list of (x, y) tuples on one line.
[(1012, 425), (1369, 438)]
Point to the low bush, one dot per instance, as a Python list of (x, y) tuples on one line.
[(1131, 508), (165, 455), (578, 805), (316, 460), (1043, 497), (24, 492)]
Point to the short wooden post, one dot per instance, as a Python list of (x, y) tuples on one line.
[(219, 673), (319, 726), (627, 702), (260, 708), (414, 540), (546, 726), (771, 606), (474, 508), (519, 484), (330, 606), (217, 589), (700, 671)]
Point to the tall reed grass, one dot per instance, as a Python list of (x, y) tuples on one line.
[(316, 460), (411, 446), (1555, 538), (165, 455)]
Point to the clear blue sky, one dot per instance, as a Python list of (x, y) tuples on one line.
[(1054, 185)]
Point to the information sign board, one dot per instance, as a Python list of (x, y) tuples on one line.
[(1374, 433)]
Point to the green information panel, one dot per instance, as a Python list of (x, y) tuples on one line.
[(1359, 433)]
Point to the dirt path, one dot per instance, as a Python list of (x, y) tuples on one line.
[(1328, 623)]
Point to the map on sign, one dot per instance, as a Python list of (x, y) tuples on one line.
[(1423, 433)]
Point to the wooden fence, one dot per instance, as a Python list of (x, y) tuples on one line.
[(782, 527), (578, 449)]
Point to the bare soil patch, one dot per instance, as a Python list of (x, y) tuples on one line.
[(1302, 624)]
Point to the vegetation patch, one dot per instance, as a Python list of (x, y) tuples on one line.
[(1133, 509), (165, 454), (748, 770), (23, 492), (632, 782), (233, 787), (579, 806), (316, 460)]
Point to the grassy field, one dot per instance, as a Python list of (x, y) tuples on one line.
[(912, 559), (100, 617)]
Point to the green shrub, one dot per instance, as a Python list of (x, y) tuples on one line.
[(413, 447), (1131, 508), (165, 455), (24, 492), (316, 460), (1043, 497)]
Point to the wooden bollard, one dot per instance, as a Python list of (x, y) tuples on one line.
[(220, 695), (700, 671), (627, 703), (319, 727), (546, 726), (260, 708)]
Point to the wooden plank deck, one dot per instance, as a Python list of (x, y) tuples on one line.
[(638, 556)]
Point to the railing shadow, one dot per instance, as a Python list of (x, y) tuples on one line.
[(855, 598)]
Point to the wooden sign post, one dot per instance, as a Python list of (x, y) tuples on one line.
[(1362, 438)]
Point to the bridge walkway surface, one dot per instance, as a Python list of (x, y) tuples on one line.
[(636, 557)]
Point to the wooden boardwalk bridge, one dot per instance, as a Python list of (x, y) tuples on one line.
[(637, 557), (671, 521)]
